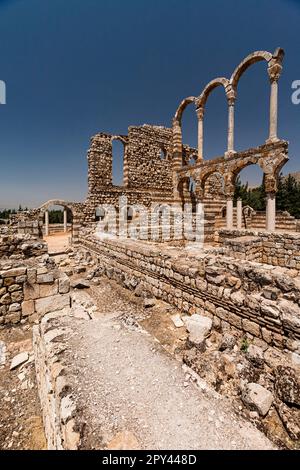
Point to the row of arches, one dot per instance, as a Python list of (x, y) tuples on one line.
[(274, 67)]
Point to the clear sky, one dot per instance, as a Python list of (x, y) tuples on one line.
[(76, 67)]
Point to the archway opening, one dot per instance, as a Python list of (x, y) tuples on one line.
[(250, 190), (99, 214), (118, 154), (163, 154), (189, 130), (252, 107), (58, 227), (215, 124)]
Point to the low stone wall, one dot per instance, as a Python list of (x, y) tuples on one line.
[(277, 249), (33, 227), (60, 416), (252, 297), (27, 293), (21, 246)]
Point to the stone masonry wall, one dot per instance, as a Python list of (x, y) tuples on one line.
[(251, 297), (27, 293), (277, 249), (20, 246), (60, 417), (146, 168)]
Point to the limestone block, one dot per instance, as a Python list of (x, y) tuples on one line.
[(52, 303), (27, 308), (46, 290), (257, 398)]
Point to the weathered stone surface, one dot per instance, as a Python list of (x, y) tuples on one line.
[(45, 278), (64, 284), (228, 342), (255, 355), (51, 304), (15, 307), (199, 327), (13, 272), (31, 291), (149, 302), (2, 353), (287, 384), (48, 289), (27, 308), (19, 360), (177, 320), (257, 398), (79, 284), (290, 418)]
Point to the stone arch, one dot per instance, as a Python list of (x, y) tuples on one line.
[(220, 81), (251, 59), (177, 132), (186, 190), (201, 102), (184, 103), (69, 213)]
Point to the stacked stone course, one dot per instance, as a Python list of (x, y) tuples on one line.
[(251, 297), (27, 293)]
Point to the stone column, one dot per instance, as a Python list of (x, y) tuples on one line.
[(177, 154), (229, 213), (271, 212), (200, 114), (274, 72), (230, 139), (65, 220), (46, 223), (239, 214)]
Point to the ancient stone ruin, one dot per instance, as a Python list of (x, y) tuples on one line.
[(219, 302)]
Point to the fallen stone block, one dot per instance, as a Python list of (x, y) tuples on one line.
[(199, 328), (18, 360), (177, 320), (257, 398), (80, 284)]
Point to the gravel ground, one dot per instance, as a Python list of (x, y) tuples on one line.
[(21, 425), (130, 390)]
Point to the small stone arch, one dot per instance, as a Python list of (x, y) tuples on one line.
[(184, 103), (251, 59), (220, 81), (69, 210)]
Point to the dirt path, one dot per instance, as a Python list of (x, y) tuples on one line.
[(21, 426), (58, 242), (133, 393)]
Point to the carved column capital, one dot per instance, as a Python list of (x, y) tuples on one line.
[(200, 113), (231, 97), (274, 71), (270, 184)]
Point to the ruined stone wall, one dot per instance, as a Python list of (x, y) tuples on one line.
[(20, 246), (146, 168), (251, 297), (60, 417), (27, 293), (143, 167), (276, 249)]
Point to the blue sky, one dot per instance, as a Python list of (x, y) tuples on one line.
[(76, 67)]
